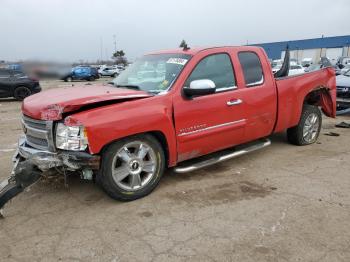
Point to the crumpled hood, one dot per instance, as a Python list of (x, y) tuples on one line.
[(51, 104)]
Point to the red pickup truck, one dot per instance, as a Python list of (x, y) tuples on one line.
[(181, 108)]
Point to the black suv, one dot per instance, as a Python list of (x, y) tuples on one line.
[(17, 84)]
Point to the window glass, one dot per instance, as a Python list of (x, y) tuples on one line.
[(152, 73), (4, 73), (252, 69), (217, 68)]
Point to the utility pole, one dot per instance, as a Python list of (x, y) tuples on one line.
[(101, 48), (115, 43)]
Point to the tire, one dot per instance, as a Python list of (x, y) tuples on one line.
[(91, 78), (308, 128), (135, 175), (68, 79), (21, 92), (114, 75)]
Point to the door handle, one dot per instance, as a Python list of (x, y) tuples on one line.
[(234, 102)]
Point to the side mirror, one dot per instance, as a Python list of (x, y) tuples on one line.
[(200, 87)]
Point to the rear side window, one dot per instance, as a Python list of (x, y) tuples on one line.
[(217, 68), (4, 74), (252, 69)]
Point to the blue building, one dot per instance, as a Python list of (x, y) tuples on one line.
[(332, 47)]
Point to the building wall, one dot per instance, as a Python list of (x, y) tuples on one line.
[(314, 48)]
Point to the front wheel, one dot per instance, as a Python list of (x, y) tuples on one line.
[(308, 128), (132, 167)]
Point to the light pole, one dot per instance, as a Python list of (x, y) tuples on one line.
[(115, 43)]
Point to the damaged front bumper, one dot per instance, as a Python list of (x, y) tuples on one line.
[(30, 164), (45, 160)]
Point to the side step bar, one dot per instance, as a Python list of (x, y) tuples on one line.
[(218, 157)]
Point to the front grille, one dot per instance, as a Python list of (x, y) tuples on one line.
[(38, 133)]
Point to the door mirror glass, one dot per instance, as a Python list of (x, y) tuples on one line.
[(200, 87)]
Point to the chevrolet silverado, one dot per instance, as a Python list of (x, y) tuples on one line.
[(183, 109)]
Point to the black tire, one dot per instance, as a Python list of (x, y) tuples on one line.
[(21, 92), (68, 79), (296, 136), (91, 78), (114, 75), (109, 154)]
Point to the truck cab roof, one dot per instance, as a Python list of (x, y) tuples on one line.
[(196, 50)]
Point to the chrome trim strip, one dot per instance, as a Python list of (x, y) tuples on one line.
[(222, 89), (39, 133), (257, 82), (212, 127)]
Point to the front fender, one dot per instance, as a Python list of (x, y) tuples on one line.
[(107, 124)]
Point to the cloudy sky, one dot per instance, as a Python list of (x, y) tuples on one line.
[(70, 30)]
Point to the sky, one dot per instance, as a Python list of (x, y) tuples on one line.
[(75, 30)]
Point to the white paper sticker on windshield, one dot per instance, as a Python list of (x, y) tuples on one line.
[(178, 61)]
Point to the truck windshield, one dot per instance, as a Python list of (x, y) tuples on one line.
[(152, 73)]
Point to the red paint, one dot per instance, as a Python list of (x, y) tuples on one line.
[(271, 107), (51, 104)]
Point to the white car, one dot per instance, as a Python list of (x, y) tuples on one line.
[(112, 71), (296, 70)]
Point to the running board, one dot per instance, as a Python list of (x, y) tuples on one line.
[(194, 164)]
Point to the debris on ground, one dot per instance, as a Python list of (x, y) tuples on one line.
[(343, 125), (331, 134)]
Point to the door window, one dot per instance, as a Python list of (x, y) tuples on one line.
[(252, 69), (217, 68), (4, 74)]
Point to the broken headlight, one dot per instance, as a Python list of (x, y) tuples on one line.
[(71, 137)]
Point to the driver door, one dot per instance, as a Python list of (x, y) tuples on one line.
[(209, 123)]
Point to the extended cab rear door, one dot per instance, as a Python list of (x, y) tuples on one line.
[(257, 91), (209, 123)]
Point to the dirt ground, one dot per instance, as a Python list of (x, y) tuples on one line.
[(283, 203)]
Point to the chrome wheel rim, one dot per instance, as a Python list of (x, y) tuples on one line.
[(311, 127), (134, 166)]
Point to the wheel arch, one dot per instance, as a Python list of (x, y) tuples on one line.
[(321, 96), (157, 134)]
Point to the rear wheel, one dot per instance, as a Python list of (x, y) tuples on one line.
[(21, 92), (308, 128), (132, 167), (91, 78)]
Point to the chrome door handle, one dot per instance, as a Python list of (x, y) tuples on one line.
[(234, 102)]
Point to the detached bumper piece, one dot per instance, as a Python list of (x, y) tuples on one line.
[(30, 164), (24, 175)]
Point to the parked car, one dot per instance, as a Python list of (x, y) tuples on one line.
[(343, 85), (207, 100), (82, 73), (306, 62), (343, 92), (343, 61), (344, 69), (296, 70), (112, 71), (17, 84)]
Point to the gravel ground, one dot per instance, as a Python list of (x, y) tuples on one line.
[(283, 203)]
